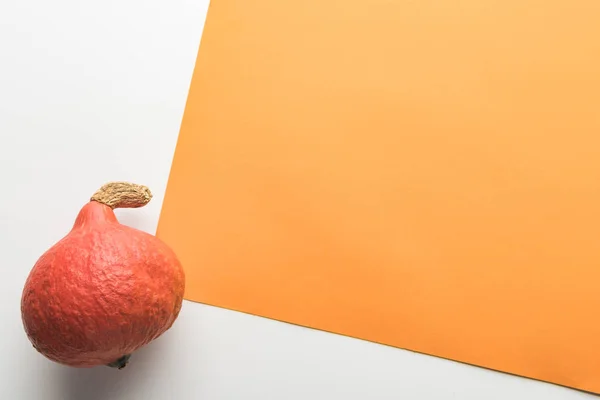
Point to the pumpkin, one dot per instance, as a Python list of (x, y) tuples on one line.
[(105, 289)]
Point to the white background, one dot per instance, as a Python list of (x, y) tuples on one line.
[(95, 91)]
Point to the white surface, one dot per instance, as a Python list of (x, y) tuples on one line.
[(95, 91)]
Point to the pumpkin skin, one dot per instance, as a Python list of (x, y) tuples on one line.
[(102, 292)]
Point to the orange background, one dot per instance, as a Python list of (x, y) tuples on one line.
[(424, 174)]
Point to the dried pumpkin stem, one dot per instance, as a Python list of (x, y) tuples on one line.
[(122, 195)]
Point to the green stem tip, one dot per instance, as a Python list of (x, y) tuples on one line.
[(120, 363)]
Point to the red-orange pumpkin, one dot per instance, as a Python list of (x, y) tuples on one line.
[(105, 289)]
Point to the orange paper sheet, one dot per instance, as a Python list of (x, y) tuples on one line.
[(424, 174)]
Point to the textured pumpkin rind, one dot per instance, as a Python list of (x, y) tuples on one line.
[(103, 291)]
